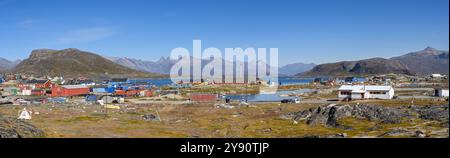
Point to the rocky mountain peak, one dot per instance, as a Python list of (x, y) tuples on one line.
[(164, 59), (41, 52), (71, 50), (429, 49)]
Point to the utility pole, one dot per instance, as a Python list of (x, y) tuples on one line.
[(106, 105), (157, 113)]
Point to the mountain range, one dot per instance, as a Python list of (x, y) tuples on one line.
[(7, 65), (164, 64), (293, 69), (361, 67), (76, 62), (426, 61), (422, 62)]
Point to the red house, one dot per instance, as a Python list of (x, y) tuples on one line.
[(131, 93), (148, 93), (121, 92), (38, 92), (69, 90), (36, 84)]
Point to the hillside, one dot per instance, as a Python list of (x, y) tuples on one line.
[(362, 67), (162, 66), (293, 69), (7, 65), (422, 62), (426, 61), (72, 63)]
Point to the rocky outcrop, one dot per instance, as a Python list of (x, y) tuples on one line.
[(14, 128), (436, 113), (329, 115), (150, 117)]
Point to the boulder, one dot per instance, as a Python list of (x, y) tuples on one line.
[(150, 117), (329, 115), (14, 128), (435, 113), (398, 132)]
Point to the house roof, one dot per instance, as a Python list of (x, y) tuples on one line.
[(119, 80), (36, 81), (9, 88), (76, 81), (74, 86), (86, 81), (363, 88)]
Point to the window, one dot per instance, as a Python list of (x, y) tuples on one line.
[(345, 93), (377, 92)]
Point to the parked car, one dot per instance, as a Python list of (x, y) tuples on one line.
[(291, 101)]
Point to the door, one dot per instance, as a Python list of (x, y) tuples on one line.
[(362, 95)]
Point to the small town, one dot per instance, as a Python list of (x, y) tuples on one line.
[(218, 78), (133, 107), (224, 69)]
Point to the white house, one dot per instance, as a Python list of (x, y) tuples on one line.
[(437, 76), (26, 92), (365, 92), (441, 92)]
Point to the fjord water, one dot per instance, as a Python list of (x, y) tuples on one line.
[(280, 95)]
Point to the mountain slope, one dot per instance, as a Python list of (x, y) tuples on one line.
[(426, 61), (293, 69), (362, 67), (422, 62), (162, 66), (72, 63), (7, 65)]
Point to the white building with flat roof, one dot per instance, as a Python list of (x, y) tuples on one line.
[(437, 76), (365, 92)]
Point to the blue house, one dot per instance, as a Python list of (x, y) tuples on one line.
[(110, 89), (2, 79), (91, 98), (98, 90), (103, 89)]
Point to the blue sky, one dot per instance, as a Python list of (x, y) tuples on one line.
[(306, 31)]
